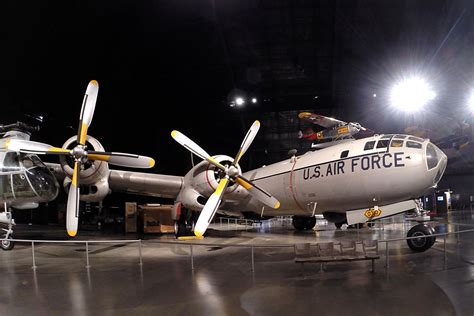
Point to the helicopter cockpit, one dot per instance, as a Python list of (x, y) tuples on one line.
[(25, 178)]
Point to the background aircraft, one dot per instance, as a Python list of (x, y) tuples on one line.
[(25, 180)]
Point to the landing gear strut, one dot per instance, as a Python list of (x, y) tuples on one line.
[(184, 226), (424, 241), (304, 222), (7, 244)]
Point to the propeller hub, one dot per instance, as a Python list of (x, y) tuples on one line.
[(232, 171), (79, 152)]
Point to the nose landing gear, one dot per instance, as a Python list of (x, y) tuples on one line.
[(424, 240)]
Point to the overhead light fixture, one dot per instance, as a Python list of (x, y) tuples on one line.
[(411, 95), (239, 101), (254, 100), (374, 95)]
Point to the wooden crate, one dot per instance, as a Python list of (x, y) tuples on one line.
[(157, 218)]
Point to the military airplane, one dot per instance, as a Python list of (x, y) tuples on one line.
[(334, 129), (26, 181)]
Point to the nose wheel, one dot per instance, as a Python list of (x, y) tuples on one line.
[(423, 237)]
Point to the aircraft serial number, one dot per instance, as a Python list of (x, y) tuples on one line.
[(387, 160)]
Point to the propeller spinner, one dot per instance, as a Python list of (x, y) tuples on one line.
[(80, 154), (231, 173)]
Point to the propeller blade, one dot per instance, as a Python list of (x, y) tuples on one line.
[(27, 146), (72, 212), (252, 132), (87, 111), (210, 208), (258, 193), (194, 148), (122, 159)]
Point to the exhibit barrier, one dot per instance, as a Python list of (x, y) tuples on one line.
[(192, 244)]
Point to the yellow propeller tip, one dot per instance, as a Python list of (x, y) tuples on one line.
[(277, 205), (198, 234), (173, 133), (71, 233), (152, 162), (258, 122), (94, 82)]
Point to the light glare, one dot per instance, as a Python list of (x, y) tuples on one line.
[(470, 103), (239, 101), (411, 95), (254, 100)]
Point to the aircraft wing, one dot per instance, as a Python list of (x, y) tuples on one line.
[(320, 120), (148, 184)]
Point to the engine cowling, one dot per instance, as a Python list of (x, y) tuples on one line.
[(94, 178), (201, 181)]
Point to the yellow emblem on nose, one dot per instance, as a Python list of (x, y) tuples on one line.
[(371, 213)]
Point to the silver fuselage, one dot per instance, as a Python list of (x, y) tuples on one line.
[(348, 176)]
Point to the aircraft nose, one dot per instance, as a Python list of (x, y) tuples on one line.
[(436, 160)]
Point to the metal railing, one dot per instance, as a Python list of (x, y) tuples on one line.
[(251, 247)]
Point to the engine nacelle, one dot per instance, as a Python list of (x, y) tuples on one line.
[(201, 181), (94, 177)]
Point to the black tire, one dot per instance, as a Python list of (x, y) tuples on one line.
[(371, 224), (303, 222), (7, 244), (298, 222), (423, 243), (338, 225), (310, 222)]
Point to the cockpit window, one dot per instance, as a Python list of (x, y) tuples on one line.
[(386, 137), (431, 156), (399, 136), (383, 143), (11, 163), (411, 144), (418, 139), (396, 143), (369, 145)]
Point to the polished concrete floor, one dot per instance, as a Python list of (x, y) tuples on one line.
[(222, 281)]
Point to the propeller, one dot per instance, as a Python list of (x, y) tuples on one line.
[(231, 173), (80, 154)]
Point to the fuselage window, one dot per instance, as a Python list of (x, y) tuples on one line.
[(345, 153), (383, 143), (411, 144), (396, 143), (369, 145), (416, 139)]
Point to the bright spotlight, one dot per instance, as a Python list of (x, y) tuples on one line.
[(239, 101), (254, 100), (470, 102), (411, 95)]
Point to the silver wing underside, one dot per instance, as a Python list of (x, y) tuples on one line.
[(147, 184)]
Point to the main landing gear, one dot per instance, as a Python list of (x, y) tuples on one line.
[(303, 222), (184, 226), (7, 219)]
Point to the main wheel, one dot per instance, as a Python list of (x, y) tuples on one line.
[(424, 241), (7, 244), (303, 222)]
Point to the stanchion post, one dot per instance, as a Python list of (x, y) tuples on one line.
[(445, 249), (192, 257), (87, 255), (253, 261), (140, 252), (33, 255), (387, 264)]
